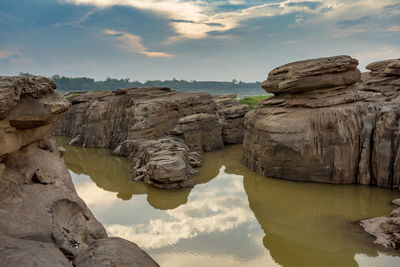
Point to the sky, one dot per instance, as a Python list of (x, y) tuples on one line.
[(193, 40)]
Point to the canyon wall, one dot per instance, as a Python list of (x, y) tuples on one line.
[(43, 221), (164, 132)]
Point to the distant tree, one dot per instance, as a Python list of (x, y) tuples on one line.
[(25, 74)]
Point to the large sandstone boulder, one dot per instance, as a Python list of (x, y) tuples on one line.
[(164, 132), (43, 220), (326, 125)]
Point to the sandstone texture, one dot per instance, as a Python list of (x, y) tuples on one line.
[(43, 221), (164, 132), (327, 123)]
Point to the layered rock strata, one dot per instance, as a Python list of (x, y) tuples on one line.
[(164, 132), (328, 124), (43, 221)]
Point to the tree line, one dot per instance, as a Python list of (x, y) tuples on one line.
[(88, 84)]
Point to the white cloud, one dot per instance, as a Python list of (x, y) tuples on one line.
[(195, 19), (221, 212), (97, 200), (133, 44)]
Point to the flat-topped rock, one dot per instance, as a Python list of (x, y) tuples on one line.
[(341, 134), (313, 74)]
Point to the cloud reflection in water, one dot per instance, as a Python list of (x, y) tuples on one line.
[(208, 210)]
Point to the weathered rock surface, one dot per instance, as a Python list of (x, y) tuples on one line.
[(43, 221), (385, 229), (323, 126), (231, 116), (201, 132), (164, 163), (163, 131)]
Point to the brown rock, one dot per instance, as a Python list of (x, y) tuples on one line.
[(114, 252), (163, 163), (313, 74), (201, 132), (335, 134), (43, 221), (140, 124), (231, 116), (385, 229)]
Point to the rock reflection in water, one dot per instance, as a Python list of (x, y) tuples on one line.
[(113, 174), (233, 217)]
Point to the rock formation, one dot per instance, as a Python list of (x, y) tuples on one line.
[(164, 132), (43, 221), (385, 229), (328, 124)]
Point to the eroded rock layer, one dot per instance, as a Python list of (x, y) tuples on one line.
[(43, 221), (328, 124), (164, 132)]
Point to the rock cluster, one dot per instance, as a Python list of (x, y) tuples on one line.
[(164, 132), (385, 229), (327, 123), (43, 221)]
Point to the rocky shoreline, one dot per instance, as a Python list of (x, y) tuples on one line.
[(164, 132), (43, 220)]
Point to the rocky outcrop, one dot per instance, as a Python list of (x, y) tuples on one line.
[(385, 229), (43, 221), (164, 132), (328, 124), (231, 116), (163, 163)]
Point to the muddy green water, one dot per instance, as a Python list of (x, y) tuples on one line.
[(233, 217)]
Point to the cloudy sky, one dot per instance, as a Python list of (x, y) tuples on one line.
[(193, 40)]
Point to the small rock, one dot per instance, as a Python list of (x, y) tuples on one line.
[(396, 202)]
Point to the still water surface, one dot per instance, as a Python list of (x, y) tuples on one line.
[(232, 217)]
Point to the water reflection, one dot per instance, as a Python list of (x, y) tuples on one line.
[(232, 217), (113, 174)]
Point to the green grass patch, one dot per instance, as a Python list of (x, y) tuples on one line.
[(252, 101), (70, 97)]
